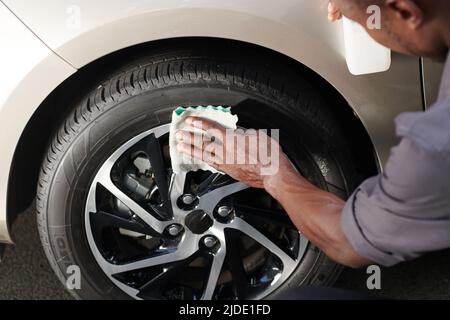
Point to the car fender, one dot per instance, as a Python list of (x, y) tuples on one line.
[(81, 33), (85, 31), (30, 71)]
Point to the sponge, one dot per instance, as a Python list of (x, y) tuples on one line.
[(219, 114)]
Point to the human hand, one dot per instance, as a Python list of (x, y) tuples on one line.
[(231, 152), (334, 13)]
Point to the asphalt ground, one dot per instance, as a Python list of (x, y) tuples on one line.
[(26, 274)]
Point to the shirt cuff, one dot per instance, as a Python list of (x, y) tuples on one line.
[(355, 235)]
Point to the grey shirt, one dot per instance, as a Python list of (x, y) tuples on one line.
[(405, 211)]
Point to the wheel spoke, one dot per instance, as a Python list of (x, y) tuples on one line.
[(186, 249), (235, 264), (101, 219), (214, 180), (104, 179), (214, 273), (153, 287), (209, 201), (148, 262), (177, 186), (288, 263), (153, 150), (205, 185), (276, 217)]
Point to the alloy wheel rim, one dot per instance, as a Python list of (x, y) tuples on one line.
[(213, 244)]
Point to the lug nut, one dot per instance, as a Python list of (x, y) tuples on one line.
[(174, 229), (210, 241), (187, 202), (224, 211), (188, 199)]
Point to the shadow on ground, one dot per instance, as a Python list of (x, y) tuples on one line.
[(424, 278), (24, 271)]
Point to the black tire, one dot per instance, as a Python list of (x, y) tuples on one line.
[(142, 95)]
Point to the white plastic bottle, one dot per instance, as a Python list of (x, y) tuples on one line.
[(363, 54)]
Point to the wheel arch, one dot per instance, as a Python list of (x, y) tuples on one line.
[(51, 112)]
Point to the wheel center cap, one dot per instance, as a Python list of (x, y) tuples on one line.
[(198, 221)]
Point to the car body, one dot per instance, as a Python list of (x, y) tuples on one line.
[(47, 44)]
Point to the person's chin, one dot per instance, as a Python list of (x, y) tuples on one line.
[(439, 57)]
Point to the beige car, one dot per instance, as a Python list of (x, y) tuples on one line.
[(86, 96)]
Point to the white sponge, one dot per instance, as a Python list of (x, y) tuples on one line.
[(218, 114)]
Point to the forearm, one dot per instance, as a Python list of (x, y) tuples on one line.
[(316, 213)]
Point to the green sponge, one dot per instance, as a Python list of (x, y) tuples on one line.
[(180, 110)]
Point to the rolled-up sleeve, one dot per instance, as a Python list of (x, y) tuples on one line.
[(404, 212)]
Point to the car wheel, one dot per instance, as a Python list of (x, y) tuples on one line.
[(109, 204)]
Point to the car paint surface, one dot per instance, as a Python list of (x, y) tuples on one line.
[(64, 35), (29, 71)]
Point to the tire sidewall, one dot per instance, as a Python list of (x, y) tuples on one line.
[(62, 220)]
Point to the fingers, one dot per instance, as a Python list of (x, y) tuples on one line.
[(204, 124), (206, 155), (190, 150), (190, 138), (333, 12), (200, 139), (199, 146), (207, 147)]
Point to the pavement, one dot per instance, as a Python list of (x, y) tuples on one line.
[(26, 274), (24, 270)]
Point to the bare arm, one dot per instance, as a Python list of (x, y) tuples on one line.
[(315, 213)]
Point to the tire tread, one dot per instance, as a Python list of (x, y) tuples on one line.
[(173, 71)]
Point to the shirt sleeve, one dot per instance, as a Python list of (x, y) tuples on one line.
[(404, 212)]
